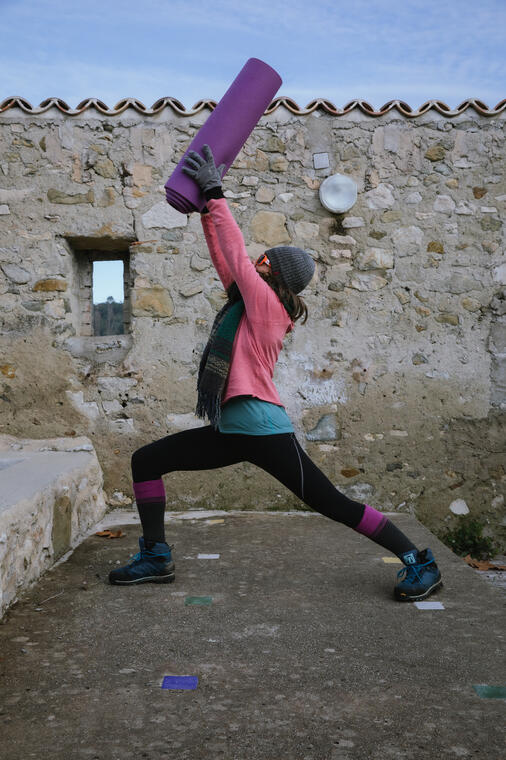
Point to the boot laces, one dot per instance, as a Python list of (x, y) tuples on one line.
[(410, 572)]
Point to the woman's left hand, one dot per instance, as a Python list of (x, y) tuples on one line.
[(203, 170)]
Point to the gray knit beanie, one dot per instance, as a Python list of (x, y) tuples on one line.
[(293, 266)]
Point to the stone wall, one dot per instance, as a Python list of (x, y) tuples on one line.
[(50, 497), (396, 384)]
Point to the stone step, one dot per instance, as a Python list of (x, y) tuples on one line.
[(50, 495)]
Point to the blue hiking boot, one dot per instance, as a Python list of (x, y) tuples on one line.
[(420, 577), (153, 565)]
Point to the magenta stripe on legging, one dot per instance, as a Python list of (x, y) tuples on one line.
[(149, 489), (372, 522)]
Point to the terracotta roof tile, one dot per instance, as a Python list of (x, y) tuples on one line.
[(319, 104)]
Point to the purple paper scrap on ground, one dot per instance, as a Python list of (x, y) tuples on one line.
[(180, 682), (226, 129)]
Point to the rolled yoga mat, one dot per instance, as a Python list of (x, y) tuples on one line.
[(226, 130)]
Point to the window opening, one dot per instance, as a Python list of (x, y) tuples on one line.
[(108, 297)]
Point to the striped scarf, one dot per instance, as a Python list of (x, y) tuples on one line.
[(215, 362)]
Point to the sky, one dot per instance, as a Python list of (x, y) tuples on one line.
[(373, 50)]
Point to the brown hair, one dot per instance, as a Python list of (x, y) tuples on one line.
[(293, 303)]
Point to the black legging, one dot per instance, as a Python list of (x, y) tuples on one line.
[(280, 455)]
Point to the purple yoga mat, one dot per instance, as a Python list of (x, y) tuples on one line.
[(226, 130)]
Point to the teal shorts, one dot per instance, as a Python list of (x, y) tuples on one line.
[(251, 416)]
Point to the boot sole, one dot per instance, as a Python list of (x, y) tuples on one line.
[(437, 585), (147, 579)]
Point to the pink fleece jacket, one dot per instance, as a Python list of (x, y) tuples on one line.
[(265, 321)]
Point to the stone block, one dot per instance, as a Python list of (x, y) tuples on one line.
[(49, 285), (164, 216), (444, 204), (307, 230), (50, 496), (344, 240), (88, 409), (365, 282), (435, 153), (471, 304), (57, 196), (55, 309), (380, 197), (235, 196), (112, 407), (337, 275), (106, 168), (217, 299), (4, 210), (269, 227), (324, 430), (113, 388), (489, 224), (108, 198), (407, 241), (142, 174), (278, 164), (260, 162), (191, 289), (274, 145), (413, 199), (152, 302), (447, 318), (351, 222), (464, 208), (62, 525), (391, 216), (16, 274), (499, 274), (374, 258), (199, 264), (265, 194), (123, 426), (402, 295), (391, 139)]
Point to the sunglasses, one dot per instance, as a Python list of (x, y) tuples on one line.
[(262, 260)]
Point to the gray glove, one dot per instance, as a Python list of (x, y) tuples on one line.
[(203, 170)]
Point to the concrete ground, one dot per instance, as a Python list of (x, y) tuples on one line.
[(302, 653)]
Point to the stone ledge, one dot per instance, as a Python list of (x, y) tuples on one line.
[(99, 349), (50, 495)]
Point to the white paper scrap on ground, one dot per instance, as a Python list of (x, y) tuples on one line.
[(392, 560), (208, 556), (429, 605)]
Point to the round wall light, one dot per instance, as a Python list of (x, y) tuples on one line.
[(338, 193)]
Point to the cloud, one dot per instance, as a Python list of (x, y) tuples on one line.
[(371, 49)]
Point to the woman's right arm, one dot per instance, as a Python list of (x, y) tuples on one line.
[(262, 304), (217, 257)]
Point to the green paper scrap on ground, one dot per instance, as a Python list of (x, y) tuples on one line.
[(490, 692), (202, 601)]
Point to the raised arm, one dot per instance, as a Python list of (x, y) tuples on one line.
[(262, 304), (217, 257)]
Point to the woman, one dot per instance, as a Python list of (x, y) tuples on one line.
[(236, 393)]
